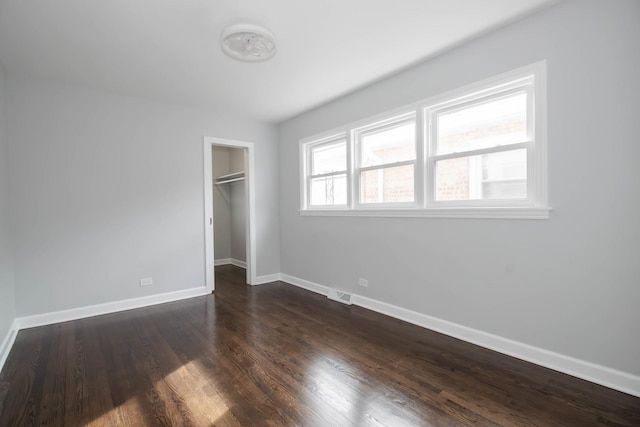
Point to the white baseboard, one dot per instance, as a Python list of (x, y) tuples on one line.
[(305, 284), (608, 377), (107, 308), (267, 278), (232, 261), (238, 263), (7, 342)]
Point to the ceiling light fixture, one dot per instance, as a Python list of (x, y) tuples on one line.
[(249, 43)]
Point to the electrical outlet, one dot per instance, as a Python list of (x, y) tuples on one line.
[(363, 282), (148, 281)]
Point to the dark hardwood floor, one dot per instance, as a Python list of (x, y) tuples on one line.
[(276, 355)]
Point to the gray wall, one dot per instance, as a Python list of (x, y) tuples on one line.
[(7, 299), (568, 284), (236, 160), (108, 189)]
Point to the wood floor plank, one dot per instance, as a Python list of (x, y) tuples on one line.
[(97, 402), (52, 408), (277, 355), (75, 378)]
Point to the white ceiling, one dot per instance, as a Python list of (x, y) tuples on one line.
[(169, 50)]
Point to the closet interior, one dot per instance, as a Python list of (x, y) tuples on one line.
[(229, 206)]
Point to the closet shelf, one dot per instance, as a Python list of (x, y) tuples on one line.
[(232, 177)]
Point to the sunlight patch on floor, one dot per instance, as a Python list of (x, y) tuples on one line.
[(201, 400), (127, 414)]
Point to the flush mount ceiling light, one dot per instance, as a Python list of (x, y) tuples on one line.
[(249, 43)]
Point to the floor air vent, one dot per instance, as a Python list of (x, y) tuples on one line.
[(339, 296)]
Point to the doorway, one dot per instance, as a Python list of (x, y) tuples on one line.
[(225, 185)]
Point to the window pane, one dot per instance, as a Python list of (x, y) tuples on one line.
[(329, 190), (329, 158), (388, 146), (387, 185), (489, 176), (498, 122)]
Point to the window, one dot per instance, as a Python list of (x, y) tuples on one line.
[(476, 152), (386, 162), (328, 173), (480, 147)]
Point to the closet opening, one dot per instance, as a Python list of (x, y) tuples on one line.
[(229, 207)]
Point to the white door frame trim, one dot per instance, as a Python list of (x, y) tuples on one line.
[(208, 207)]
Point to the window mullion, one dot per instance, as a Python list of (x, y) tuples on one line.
[(386, 165), (430, 164), (481, 151), (323, 175), (418, 168), (352, 180)]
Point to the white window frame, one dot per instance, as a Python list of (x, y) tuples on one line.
[(531, 79)]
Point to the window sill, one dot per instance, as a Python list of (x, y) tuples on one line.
[(492, 212)]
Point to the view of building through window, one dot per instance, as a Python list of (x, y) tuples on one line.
[(386, 177), (500, 175)]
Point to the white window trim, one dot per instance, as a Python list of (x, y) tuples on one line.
[(481, 213), (425, 206)]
